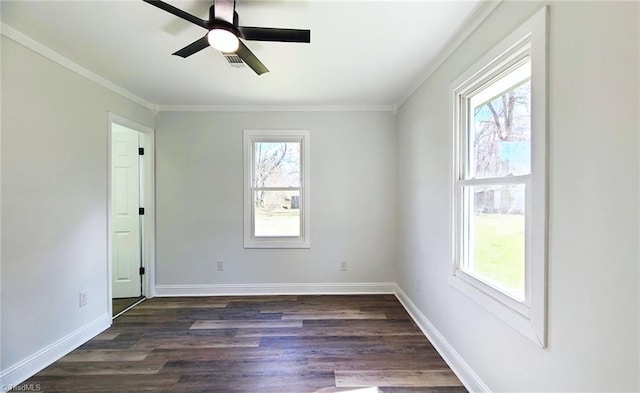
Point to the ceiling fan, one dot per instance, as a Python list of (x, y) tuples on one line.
[(224, 33)]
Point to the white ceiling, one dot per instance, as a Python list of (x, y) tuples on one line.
[(361, 52)]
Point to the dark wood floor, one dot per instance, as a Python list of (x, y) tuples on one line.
[(265, 344), (121, 304)]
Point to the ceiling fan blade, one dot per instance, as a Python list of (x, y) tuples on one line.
[(273, 34), (178, 12), (193, 47), (224, 10), (250, 59)]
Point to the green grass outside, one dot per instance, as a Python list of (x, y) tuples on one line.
[(285, 222), (499, 251)]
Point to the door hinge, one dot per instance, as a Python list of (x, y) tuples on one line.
[(141, 211), (141, 151), (141, 271)]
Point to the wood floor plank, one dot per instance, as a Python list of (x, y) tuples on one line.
[(400, 378), (103, 368), (183, 305), (326, 332), (237, 368), (206, 354), (261, 299), (245, 324), (133, 383), (108, 335), (277, 383), (438, 389), (345, 343), (199, 342), (420, 360), (100, 355), (256, 344), (371, 389), (340, 314)]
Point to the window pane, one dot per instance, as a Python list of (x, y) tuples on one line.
[(500, 127), (277, 213), (276, 164), (494, 239)]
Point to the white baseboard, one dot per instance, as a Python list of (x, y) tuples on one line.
[(467, 376), (275, 289), (23, 370)]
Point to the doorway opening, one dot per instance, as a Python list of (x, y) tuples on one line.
[(131, 214)]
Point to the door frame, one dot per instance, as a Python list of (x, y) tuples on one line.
[(147, 185)]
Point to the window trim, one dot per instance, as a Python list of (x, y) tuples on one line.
[(249, 138), (529, 317)]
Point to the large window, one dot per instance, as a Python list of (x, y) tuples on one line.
[(276, 189), (499, 109)]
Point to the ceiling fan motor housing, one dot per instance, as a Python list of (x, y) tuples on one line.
[(212, 15)]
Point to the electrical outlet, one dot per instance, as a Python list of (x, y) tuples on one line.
[(417, 285), (220, 265), (83, 298), (343, 266)]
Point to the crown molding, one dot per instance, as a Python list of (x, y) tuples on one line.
[(275, 108), (482, 11), (56, 57)]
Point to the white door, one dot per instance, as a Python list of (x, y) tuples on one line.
[(125, 190)]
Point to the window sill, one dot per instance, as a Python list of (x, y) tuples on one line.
[(277, 243)]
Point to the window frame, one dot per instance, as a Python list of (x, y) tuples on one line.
[(250, 137), (527, 316)]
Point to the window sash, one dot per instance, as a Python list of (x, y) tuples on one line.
[(490, 181), (254, 189), (472, 91), (463, 238), (267, 139), (300, 209)]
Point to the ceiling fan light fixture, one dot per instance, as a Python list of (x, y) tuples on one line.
[(223, 39), (224, 33)]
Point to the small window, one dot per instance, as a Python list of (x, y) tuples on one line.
[(499, 109), (276, 206)]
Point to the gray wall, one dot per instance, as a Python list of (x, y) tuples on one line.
[(200, 192), (593, 207), (54, 199)]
